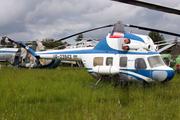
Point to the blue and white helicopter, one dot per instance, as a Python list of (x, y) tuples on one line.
[(120, 55)]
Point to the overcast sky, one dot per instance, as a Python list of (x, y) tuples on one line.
[(40, 19)]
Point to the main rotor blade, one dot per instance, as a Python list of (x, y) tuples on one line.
[(12, 41), (171, 40), (151, 29), (151, 6), (86, 31)]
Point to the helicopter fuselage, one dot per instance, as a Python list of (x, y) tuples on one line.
[(108, 59), (7, 53)]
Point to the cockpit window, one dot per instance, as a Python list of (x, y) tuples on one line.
[(155, 61)]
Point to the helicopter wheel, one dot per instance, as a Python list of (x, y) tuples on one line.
[(92, 85)]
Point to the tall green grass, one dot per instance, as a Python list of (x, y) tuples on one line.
[(65, 93)]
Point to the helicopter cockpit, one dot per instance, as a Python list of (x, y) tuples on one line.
[(155, 61)]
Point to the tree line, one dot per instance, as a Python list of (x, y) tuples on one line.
[(50, 43)]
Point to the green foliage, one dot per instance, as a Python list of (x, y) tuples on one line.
[(50, 43), (6, 44), (3, 41), (155, 36), (79, 37), (10, 45), (65, 93)]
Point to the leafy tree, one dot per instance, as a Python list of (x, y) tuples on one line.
[(156, 37), (79, 37), (50, 43), (9, 45), (3, 41)]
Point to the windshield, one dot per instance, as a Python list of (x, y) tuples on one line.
[(155, 61)]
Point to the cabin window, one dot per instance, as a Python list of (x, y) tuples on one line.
[(155, 61), (140, 64), (98, 61), (123, 62), (109, 61)]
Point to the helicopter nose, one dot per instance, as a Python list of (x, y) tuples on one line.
[(170, 74), (164, 75)]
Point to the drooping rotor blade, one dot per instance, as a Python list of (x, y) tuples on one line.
[(163, 44), (151, 6), (171, 40), (86, 31), (165, 48), (12, 41), (159, 42), (151, 29)]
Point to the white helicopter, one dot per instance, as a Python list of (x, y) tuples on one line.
[(7, 53), (20, 57), (120, 55), (85, 42)]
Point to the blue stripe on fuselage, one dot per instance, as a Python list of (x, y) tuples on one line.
[(7, 51), (97, 52), (102, 45), (146, 73), (88, 68), (138, 78), (133, 37)]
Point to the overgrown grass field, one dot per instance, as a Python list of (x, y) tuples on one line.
[(65, 93)]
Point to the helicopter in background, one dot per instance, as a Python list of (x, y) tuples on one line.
[(7, 53), (20, 57), (171, 54), (85, 42), (24, 59)]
